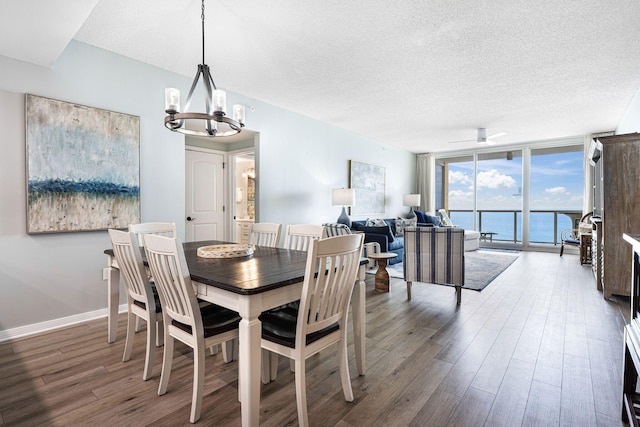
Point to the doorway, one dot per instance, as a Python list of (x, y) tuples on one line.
[(218, 184), (244, 184), (204, 196)]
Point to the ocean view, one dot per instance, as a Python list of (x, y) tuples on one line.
[(495, 185), (502, 224)]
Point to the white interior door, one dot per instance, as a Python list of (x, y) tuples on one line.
[(204, 196)]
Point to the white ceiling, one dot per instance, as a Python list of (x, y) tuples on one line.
[(412, 74)]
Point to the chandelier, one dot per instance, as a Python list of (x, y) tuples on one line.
[(213, 122)]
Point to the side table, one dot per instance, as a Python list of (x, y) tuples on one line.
[(585, 248), (382, 275), (487, 236)]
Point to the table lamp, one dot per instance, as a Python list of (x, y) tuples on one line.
[(411, 200), (343, 197)]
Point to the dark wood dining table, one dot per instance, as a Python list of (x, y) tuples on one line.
[(268, 278)]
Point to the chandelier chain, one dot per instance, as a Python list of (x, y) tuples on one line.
[(202, 18)]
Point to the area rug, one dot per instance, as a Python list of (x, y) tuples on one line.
[(481, 267)]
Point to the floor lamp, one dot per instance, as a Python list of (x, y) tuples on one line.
[(411, 200), (343, 197)]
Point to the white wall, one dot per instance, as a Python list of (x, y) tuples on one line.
[(630, 121), (57, 278)]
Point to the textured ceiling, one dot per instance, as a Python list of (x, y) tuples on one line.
[(412, 74)]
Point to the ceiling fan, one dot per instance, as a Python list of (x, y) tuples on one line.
[(482, 137)]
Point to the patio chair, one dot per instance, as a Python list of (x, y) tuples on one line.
[(574, 237)]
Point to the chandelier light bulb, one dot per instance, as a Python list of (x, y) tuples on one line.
[(219, 101), (238, 113), (171, 100)]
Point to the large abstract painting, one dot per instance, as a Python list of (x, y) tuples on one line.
[(369, 182), (83, 167)]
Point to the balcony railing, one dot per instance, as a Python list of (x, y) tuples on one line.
[(545, 226)]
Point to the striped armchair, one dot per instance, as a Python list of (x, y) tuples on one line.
[(434, 255)]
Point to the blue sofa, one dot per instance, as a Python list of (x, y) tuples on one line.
[(386, 236)]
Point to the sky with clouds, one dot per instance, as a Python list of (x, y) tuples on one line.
[(556, 183)]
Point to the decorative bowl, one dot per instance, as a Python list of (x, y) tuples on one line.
[(225, 251)]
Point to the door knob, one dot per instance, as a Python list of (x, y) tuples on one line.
[(190, 219)]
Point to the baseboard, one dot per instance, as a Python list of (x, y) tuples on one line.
[(49, 325)]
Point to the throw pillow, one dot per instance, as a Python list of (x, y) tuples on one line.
[(446, 221), (386, 230), (402, 223), (375, 222), (421, 217), (357, 226), (429, 219)]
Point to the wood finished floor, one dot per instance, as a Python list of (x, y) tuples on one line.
[(539, 346)]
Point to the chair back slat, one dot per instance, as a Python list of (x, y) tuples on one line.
[(265, 234), (299, 236), (131, 267), (167, 229), (173, 281), (332, 267)]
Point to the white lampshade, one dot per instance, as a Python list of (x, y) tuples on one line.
[(411, 200), (343, 197)]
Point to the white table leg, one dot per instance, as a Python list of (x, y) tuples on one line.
[(113, 301), (358, 305), (249, 363)]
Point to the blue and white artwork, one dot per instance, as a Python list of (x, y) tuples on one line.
[(83, 167), (369, 182)]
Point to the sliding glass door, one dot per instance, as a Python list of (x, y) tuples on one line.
[(557, 183), (513, 196), (454, 189), (499, 195)]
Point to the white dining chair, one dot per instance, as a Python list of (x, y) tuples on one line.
[(299, 236), (321, 318), (167, 229), (185, 320), (142, 302), (265, 234)]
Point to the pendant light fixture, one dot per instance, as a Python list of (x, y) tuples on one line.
[(213, 122)]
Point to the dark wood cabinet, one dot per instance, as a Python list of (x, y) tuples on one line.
[(620, 181)]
